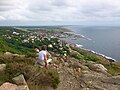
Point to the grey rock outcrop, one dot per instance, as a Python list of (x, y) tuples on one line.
[(19, 80), (2, 68), (9, 54), (100, 67), (8, 86), (75, 75), (20, 84), (97, 67)]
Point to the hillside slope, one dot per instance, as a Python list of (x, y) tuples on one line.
[(71, 68), (61, 75)]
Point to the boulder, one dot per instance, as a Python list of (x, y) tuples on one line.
[(90, 62), (23, 87), (8, 53), (84, 67), (8, 86), (74, 52), (98, 67), (17, 55), (19, 80), (116, 77), (48, 55), (2, 68), (85, 89)]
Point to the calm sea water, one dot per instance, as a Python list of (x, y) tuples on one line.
[(104, 40)]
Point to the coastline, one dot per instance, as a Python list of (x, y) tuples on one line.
[(93, 52), (99, 54), (88, 50)]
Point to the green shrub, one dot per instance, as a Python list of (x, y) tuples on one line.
[(45, 78), (91, 58), (113, 69), (86, 55), (55, 78)]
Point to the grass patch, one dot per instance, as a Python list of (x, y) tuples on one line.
[(55, 78), (113, 68), (24, 65), (91, 58), (86, 55), (45, 78)]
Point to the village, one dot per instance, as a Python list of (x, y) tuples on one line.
[(26, 41), (28, 36)]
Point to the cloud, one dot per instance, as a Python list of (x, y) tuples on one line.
[(60, 11), (2, 18)]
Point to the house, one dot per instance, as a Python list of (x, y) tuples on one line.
[(15, 33)]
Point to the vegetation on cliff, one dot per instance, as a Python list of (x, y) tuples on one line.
[(66, 58)]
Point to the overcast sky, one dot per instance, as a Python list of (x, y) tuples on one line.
[(59, 12)]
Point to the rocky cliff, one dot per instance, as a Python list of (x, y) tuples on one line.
[(64, 73)]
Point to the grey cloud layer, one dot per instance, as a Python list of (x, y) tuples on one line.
[(60, 10)]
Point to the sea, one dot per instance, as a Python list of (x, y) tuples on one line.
[(104, 40)]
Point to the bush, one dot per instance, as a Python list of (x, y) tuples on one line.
[(46, 78), (86, 55), (91, 58), (55, 78), (113, 69)]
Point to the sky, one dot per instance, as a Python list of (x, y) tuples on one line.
[(59, 12)]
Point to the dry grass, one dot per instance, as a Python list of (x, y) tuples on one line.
[(23, 65)]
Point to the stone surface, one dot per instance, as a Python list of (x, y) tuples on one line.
[(8, 86), (75, 75), (86, 76), (19, 80), (8, 53), (23, 87), (98, 67), (2, 67)]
